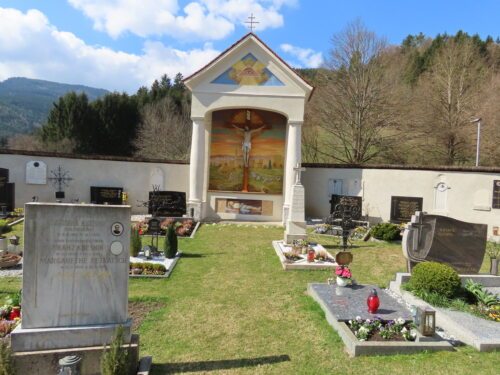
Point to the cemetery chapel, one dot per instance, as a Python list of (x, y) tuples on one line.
[(247, 112)]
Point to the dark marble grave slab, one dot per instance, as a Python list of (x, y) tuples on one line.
[(351, 199), (403, 208), (348, 302), (167, 203), (106, 195)]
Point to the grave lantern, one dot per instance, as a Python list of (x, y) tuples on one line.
[(70, 365), (425, 320)]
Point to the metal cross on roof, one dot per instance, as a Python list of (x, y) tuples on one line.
[(251, 22)]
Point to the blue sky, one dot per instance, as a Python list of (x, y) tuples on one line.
[(123, 44)]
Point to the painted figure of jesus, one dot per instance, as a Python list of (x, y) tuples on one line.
[(246, 145)]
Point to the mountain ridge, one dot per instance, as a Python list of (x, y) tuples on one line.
[(25, 102)]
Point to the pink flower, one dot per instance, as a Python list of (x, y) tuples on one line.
[(339, 270)]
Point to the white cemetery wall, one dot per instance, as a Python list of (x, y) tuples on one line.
[(468, 197), (133, 176)]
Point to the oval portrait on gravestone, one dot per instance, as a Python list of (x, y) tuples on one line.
[(116, 248), (117, 229)]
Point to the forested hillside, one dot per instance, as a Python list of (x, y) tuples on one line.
[(374, 103), (25, 103)]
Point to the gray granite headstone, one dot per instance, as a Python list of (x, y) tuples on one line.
[(349, 302), (75, 273), (445, 240)]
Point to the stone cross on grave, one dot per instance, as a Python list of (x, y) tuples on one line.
[(298, 169), (417, 225)]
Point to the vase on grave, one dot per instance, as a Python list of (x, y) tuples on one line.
[(373, 302), (342, 281)]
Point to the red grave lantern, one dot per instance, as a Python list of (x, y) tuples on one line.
[(311, 254), (373, 302)]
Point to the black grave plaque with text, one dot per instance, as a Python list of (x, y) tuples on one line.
[(351, 200), (7, 190), (106, 195), (496, 194), (402, 208), (167, 203)]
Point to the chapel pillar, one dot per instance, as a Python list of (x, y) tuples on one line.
[(293, 157), (197, 168)]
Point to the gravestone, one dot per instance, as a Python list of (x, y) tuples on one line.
[(347, 199), (496, 194), (7, 192), (167, 203), (36, 172), (445, 240), (75, 276), (403, 208), (106, 195)]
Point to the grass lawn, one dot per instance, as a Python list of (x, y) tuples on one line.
[(229, 308)]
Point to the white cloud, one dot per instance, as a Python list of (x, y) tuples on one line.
[(32, 47), (307, 57), (201, 19)]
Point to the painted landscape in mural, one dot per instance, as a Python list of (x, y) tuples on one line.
[(247, 138)]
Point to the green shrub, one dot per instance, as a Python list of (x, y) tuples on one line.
[(432, 277), (6, 365), (171, 242), (386, 232), (4, 228), (114, 360), (135, 242)]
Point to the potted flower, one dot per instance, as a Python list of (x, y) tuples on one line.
[(344, 275), (493, 250)]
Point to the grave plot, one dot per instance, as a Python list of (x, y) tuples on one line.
[(295, 260), (482, 334), (349, 304)]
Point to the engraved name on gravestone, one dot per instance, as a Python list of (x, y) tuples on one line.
[(75, 265), (445, 240), (167, 203), (106, 195), (403, 208)]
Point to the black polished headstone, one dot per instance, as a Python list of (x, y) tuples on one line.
[(445, 240), (106, 195), (350, 199), (7, 191), (402, 208), (496, 194), (167, 203)]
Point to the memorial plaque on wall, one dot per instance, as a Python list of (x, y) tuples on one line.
[(106, 195), (351, 199), (167, 203), (36, 172), (402, 208), (496, 194)]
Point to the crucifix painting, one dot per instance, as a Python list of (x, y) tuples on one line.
[(247, 151)]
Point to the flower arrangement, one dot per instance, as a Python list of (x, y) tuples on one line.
[(322, 228), (387, 330), (343, 272), (493, 249)]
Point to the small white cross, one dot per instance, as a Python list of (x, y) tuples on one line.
[(298, 169)]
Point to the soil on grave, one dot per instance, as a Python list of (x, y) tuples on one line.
[(138, 311)]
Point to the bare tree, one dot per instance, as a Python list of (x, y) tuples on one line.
[(354, 105), (450, 94), (165, 131)]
